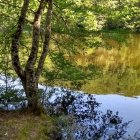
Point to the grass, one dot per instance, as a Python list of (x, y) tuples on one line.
[(21, 126)]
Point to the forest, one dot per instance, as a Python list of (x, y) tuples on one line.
[(63, 63)]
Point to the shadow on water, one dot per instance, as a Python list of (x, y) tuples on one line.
[(78, 115), (80, 118)]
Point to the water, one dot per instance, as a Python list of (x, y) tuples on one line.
[(89, 121), (127, 107), (117, 63), (118, 86)]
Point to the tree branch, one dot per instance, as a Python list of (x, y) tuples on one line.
[(15, 40), (63, 20), (47, 39), (36, 33)]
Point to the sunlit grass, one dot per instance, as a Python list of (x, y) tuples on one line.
[(15, 126)]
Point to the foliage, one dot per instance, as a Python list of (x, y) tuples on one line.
[(81, 52), (119, 14), (73, 29)]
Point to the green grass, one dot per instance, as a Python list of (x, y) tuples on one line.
[(20, 126)]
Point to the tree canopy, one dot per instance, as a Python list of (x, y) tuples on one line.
[(48, 33)]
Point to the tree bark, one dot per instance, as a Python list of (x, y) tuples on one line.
[(15, 40), (47, 39), (31, 83), (30, 75)]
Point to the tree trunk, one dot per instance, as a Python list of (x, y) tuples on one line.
[(29, 74), (31, 90)]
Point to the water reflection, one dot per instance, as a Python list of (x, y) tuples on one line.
[(114, 65), (85, 121), (127, 107), (80, 116), (111, 67)]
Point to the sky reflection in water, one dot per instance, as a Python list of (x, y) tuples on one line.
[(128, 108)]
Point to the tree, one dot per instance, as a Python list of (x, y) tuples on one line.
[(73, 28), (30, 74)]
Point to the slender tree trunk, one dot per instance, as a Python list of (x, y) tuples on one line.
[(47, 37)]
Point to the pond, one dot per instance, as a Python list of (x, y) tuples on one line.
[(115, 84), (80, 105), (117, 87), (113, 65), (89, 112)]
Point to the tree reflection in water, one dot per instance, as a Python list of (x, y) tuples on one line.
[(80, 118)]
